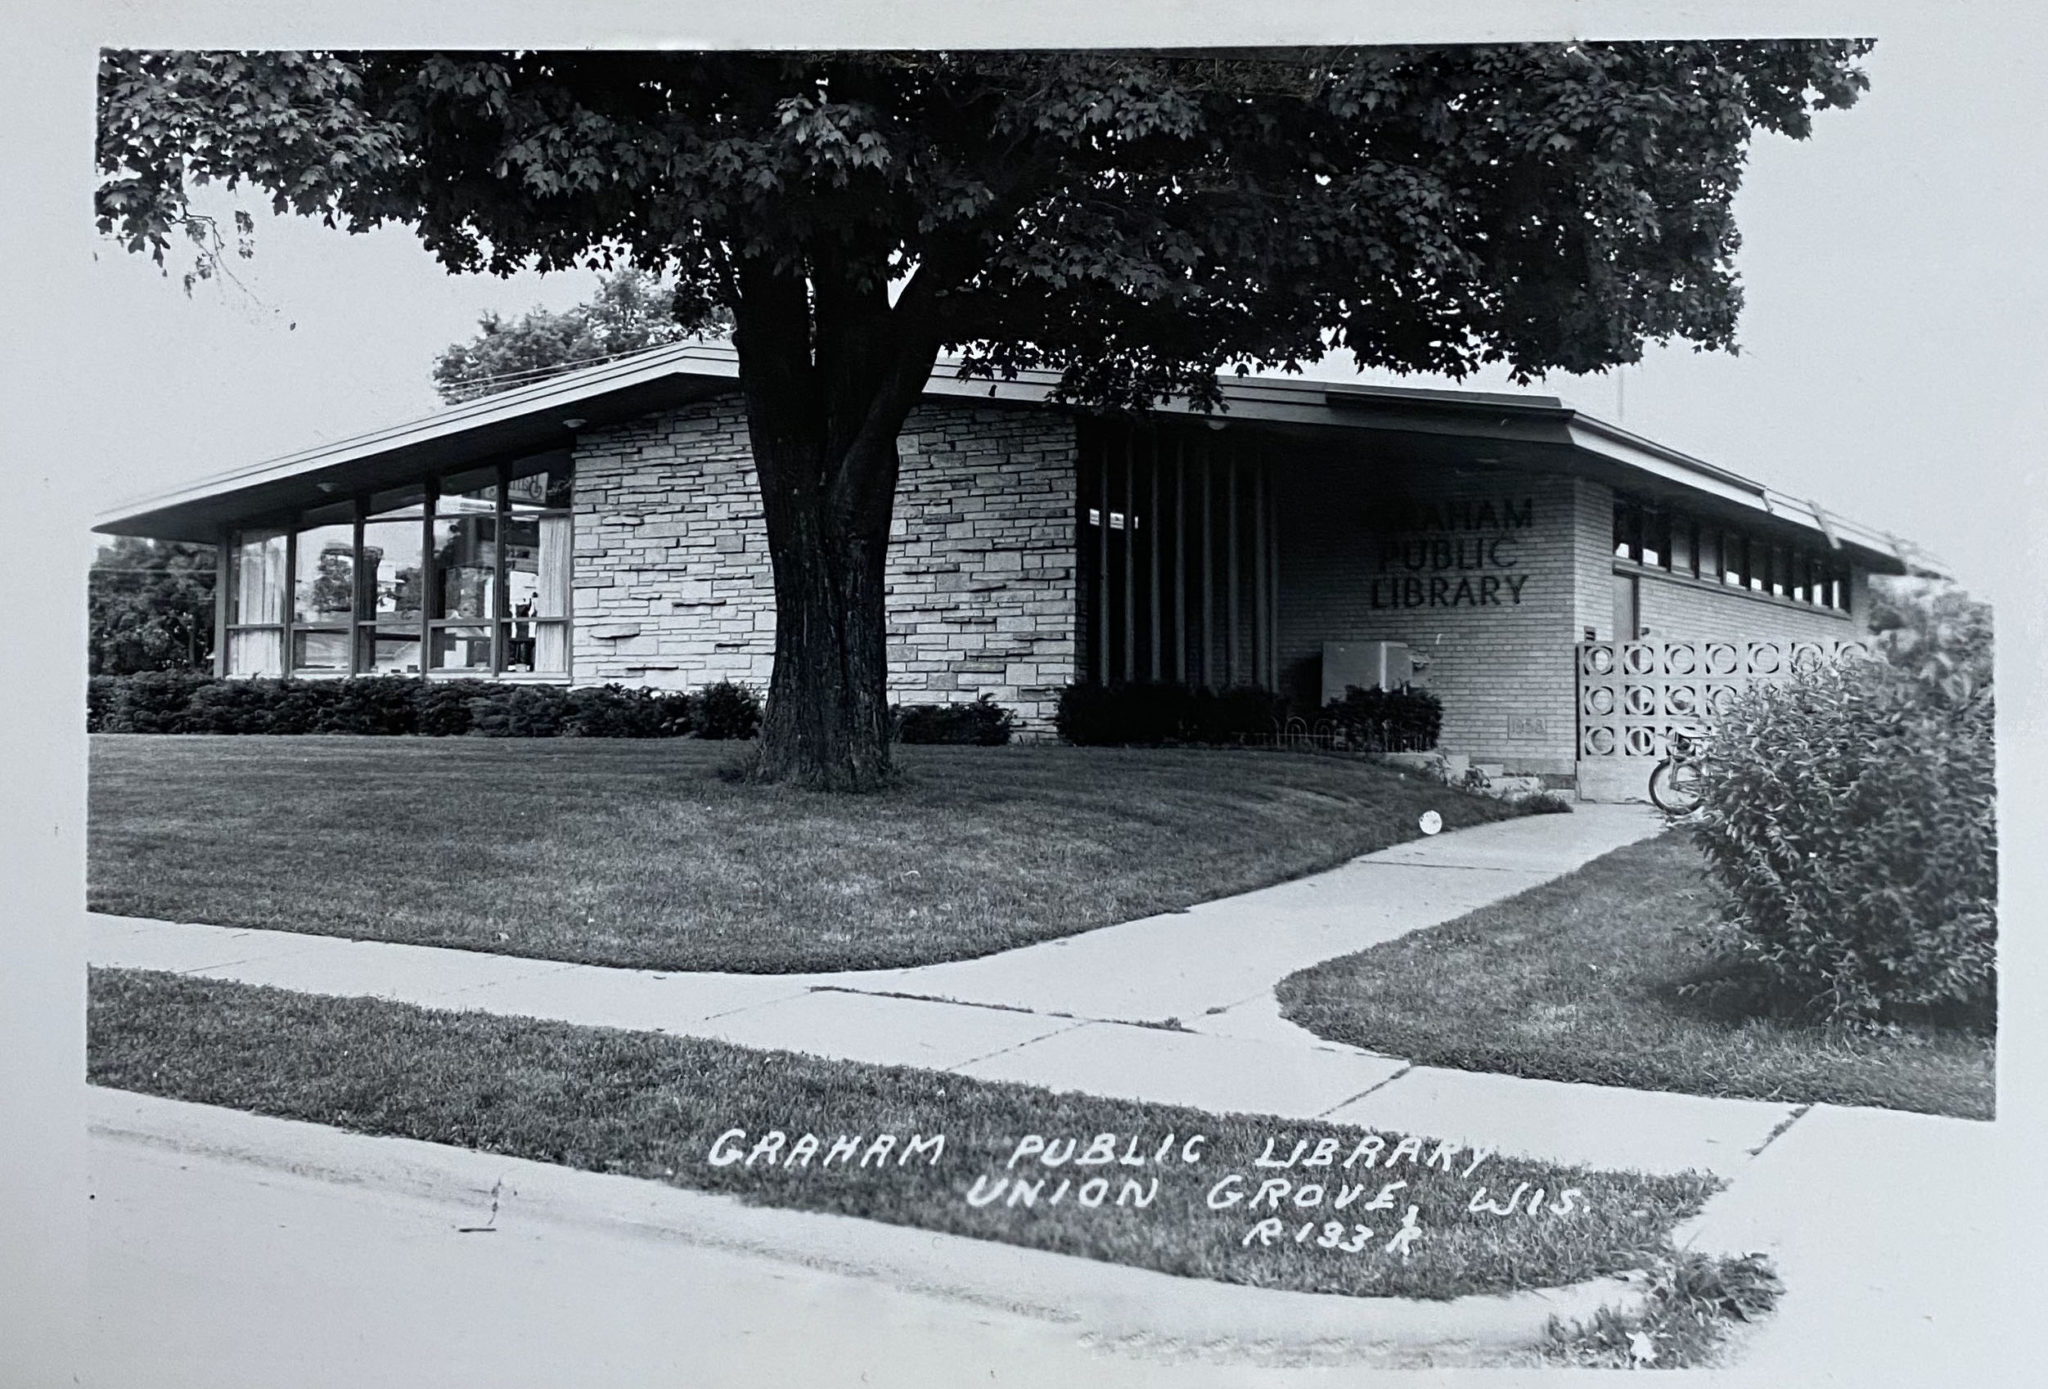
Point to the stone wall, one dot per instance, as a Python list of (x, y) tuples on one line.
[(673, 586)]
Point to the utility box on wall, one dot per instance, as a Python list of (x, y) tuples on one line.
[(1384, 665)]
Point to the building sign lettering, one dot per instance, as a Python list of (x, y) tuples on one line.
[(1449, 554)]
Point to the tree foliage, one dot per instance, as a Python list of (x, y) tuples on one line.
[(631, 311), (1136, 221), (150, 606), (1934, 631), (1132, 222)]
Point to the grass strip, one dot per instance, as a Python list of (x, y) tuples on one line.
[(654, 1106), (635, 853), (1594, 977), (1692, 1303)]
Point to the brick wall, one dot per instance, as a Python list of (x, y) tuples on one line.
[(673, 587), (1677, 609), (1475, 570)]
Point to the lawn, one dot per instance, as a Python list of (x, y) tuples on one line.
[(1586, 979), (636, 853), (654, 1107)]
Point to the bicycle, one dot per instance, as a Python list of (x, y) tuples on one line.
[(1675, 782)]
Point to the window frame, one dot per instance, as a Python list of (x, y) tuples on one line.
[(363, 623), (1745, 560)]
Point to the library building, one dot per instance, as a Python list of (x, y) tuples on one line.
[(1571, 592)]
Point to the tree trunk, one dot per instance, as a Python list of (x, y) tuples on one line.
[(827, 721), (829, 370)]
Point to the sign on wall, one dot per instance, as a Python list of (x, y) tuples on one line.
[(1463, 553)]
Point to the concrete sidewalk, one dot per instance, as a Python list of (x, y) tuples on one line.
[(1086, 1013)]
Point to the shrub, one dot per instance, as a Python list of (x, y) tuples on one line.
[(611, 711), (373, 706), (1848, 813), (102, 697), (983, 723), (444, 706), (232, 706), (1147, 714), (517, 711), (151, 701), (727, 710), (1376, 720)]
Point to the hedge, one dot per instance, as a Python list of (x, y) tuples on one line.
[(983, 723), (1376, 720), (396, 705), (1148, 714), (1849, 814)]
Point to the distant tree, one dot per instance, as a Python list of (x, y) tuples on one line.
[(334, 583), (150, 606), (630, 312), (1935, 631)]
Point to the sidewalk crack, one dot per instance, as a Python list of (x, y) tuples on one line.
[(919, 998), (1406, 1067), (1799, 1112), (1016, 1046)]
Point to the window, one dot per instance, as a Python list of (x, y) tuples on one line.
[(323, 597), (470, 577), (1657, 538), (535, 636), (392, 593), (256, 604)]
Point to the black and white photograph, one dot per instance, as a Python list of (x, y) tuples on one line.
[(874, 694)]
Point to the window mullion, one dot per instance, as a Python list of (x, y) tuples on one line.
[(430, 578), (499, 608), (290, 616), (355, 594)]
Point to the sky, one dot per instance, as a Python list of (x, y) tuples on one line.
[(1892, 289)]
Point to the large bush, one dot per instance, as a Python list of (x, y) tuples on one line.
[(1849, 815)]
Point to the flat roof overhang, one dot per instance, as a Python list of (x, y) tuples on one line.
[(1443, 428)]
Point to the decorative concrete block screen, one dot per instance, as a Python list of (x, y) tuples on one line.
[(1634, 695)]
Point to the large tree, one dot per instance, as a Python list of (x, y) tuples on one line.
[(1135, 222), (149, 606)]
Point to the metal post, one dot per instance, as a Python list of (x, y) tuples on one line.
[(1152, 529), (223, 570), (1230, 671), (1130, 661), (1101, 615), (1260, 676), (1208, 569), (1180, 561)]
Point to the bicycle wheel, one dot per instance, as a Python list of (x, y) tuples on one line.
[(1675, 786)]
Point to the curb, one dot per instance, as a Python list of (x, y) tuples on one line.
[(1131, 1311)]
